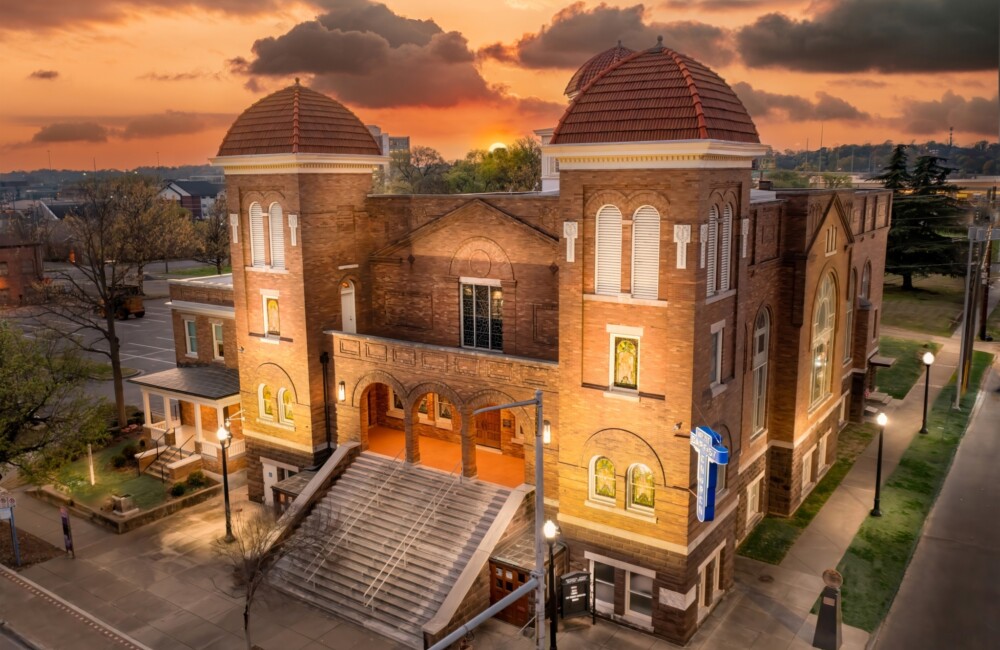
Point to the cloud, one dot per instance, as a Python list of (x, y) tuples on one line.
[(71, 132), (861, 83), (180, 76), (978, 115), (576, 33), (61, 14), (170, 123), (760, 103), (716, 5), (894, 36), (46, 75), (368, 56)]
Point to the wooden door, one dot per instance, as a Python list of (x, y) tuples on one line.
[(488, 429), (504, 580)]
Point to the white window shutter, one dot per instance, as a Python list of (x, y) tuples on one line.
[(608, 276), (727, 246), (256, 234), (646, 253), (712, 250), (277, 228)]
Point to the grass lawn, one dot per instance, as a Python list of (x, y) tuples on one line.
[(102, 372), (201, 271), (147, 491), (899, 379), (933, 307), (876, 560), (773, 536)]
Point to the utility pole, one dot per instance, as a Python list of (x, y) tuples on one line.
[(979, 238)]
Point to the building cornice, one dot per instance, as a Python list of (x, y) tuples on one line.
[(299, 163), (675, 154)]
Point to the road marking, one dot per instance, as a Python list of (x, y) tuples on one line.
[(143, 345)]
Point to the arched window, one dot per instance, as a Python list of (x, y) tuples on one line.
[(646, 253), (608, 274), (265, 402), (277, 227), (852, 286), (286, 414), (760, 350), (866, 281), (348, 316), (641, 491), (824, 320), (602, 479), (257, 235), (711, 252), (726, 248)]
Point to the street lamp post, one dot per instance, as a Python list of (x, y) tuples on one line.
[(928, 360), (226, 439), (882, 420), (551, 531)]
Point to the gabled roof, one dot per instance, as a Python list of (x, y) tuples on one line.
[(197, 188), (453, 216), (209, 382)]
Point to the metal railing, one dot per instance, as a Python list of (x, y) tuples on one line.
[(388, 473), (412, 535)]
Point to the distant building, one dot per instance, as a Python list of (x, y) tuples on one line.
[(20, 266), (386, 143), (198, 197)]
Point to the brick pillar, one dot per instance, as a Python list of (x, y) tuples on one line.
[(412, 444), (468, 446)]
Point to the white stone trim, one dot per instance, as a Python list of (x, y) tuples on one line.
[(488, 282), (344, 267), (678, 600), (202, 309), (299, 163), (675, 154), (682, 237), (618, 564), (282, 442), (624, 299), (623, 330)]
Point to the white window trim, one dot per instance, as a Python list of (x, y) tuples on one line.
[(441, 421), (807, 470), (635, 507), (425, 418), (613, 285), (264, 295), (718, 329), (488, 282), (759, 390), (822, 452), (592, 484), (645, 619), (276, 234), (390, 409), (187, 338), (602, 607), (216, 341), (757, 512), (261, 415), (638, 220)]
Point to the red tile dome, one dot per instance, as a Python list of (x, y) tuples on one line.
[(298, 120), (655, 95), (595, 66)]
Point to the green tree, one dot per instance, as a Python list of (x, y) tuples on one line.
[(211, 237), (45, 417), (924, 235), (784, 178), (419, 170)]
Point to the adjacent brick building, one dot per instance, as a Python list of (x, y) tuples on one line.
[(656, 292)]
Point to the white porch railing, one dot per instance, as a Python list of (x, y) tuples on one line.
[(238, 447)]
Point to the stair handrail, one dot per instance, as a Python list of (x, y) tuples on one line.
[(354, 516), (439, 496), (181, 447)]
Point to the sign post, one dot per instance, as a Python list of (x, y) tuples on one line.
[(575, 594), (711, 454), (67, 531), (7, 512)]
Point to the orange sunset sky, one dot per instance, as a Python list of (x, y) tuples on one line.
[(122, 82)]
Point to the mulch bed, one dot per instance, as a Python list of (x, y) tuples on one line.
[(33, 550)]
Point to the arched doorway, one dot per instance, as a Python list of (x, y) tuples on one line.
[(348, 313), (382, 416)]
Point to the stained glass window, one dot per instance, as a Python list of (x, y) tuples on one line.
[(604, 478), (642, 493), (272, 321), (266, 402), (824, 319), (286, 406), (626, 371), (482, 317)]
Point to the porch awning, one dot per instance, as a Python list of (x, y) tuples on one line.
[(208, 382)]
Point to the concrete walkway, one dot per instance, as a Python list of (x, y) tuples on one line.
[(949, 595)]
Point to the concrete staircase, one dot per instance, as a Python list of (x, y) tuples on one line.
[(158, 468), (398, 538)]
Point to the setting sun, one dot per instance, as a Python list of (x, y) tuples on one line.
[(497, 145)]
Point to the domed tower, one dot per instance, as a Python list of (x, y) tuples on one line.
[(654, 157), (298, 167)]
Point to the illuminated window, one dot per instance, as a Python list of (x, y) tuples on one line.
[(761, 347), (824, 319), (602, 473), (625, 362), (218, 348), (286, 414), (482, 317), (641, 491), (191, 337), (265, 402), (272, 317)]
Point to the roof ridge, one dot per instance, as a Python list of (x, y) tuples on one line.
[(699, 110), (295, 117)]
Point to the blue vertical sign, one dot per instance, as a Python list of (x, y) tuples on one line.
[(711, 453)]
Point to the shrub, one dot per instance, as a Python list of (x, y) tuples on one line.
[(177, 490), (119, 461), (129, 451), (198, 480)]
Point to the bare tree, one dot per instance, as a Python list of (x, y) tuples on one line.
[(159, 229), (212, 237), (261, 541)]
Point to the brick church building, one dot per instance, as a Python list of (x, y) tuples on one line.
[(653, 289)]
